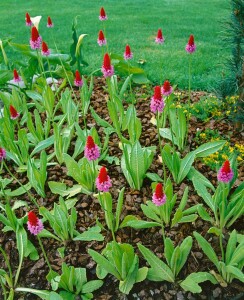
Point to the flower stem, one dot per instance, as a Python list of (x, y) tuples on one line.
[(160, 147), (44, 253), (221, 246), (189, 99)]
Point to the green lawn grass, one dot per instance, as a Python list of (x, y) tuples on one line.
[(134, 22)]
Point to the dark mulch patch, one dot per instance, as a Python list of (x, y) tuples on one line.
[(33, 272)]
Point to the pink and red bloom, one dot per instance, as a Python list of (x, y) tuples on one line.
[(2, 154), (34, 224), (107, 68), (36, 40), (159, 198), (92, 151), (103, 15), (225, 173), (16, 76), (49, 22), (157, 102), (103, 181), (13, 112), (45, 50), (191, 47), (101, 39), (27, 20), (159, 38), (166, 89), (78, 81), (128, 54)]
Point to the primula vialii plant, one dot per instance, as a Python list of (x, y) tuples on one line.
[(35, 40), (159, 198), (49, 23), (34, 224), (45, 50), (225, 173), (191, 47), (27, 20), (103, 181), (166, 89), (107, 68), (78, 81), (101, 39), (103, 15), (128, 54), (159, 38)]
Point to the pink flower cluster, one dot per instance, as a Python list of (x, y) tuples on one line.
[(107, 68), (225, 173), (191, 47), (45, 50), (103, 181), (2, 154), (36, 40), (159, 198), (92, 151), (103, 15), (128, 54), (159, 38), (34, 224), (78, 81), (157, 102), (101, 39)]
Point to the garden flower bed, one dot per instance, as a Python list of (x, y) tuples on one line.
[(114, 190)]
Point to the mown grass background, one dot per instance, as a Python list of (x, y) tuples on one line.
[(134, 22)]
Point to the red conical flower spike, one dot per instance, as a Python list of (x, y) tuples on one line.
[(78, 81), (45, 50), (106, 62), (225, 173), (166, 88), (32, 218), (191, 47), (159, 197), (90, 142), (191, 40), (103, 176), (101, 39), (128, 54), (13, 112), (27, 20), (157, 93), (159, 190), (101, 35), (159, 39), (34, 224), (107, 68), (103, 181), (92, 151), (16, 76), (157, 102), (35, 41), (49, 22), (103, 15), (226, 167)]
